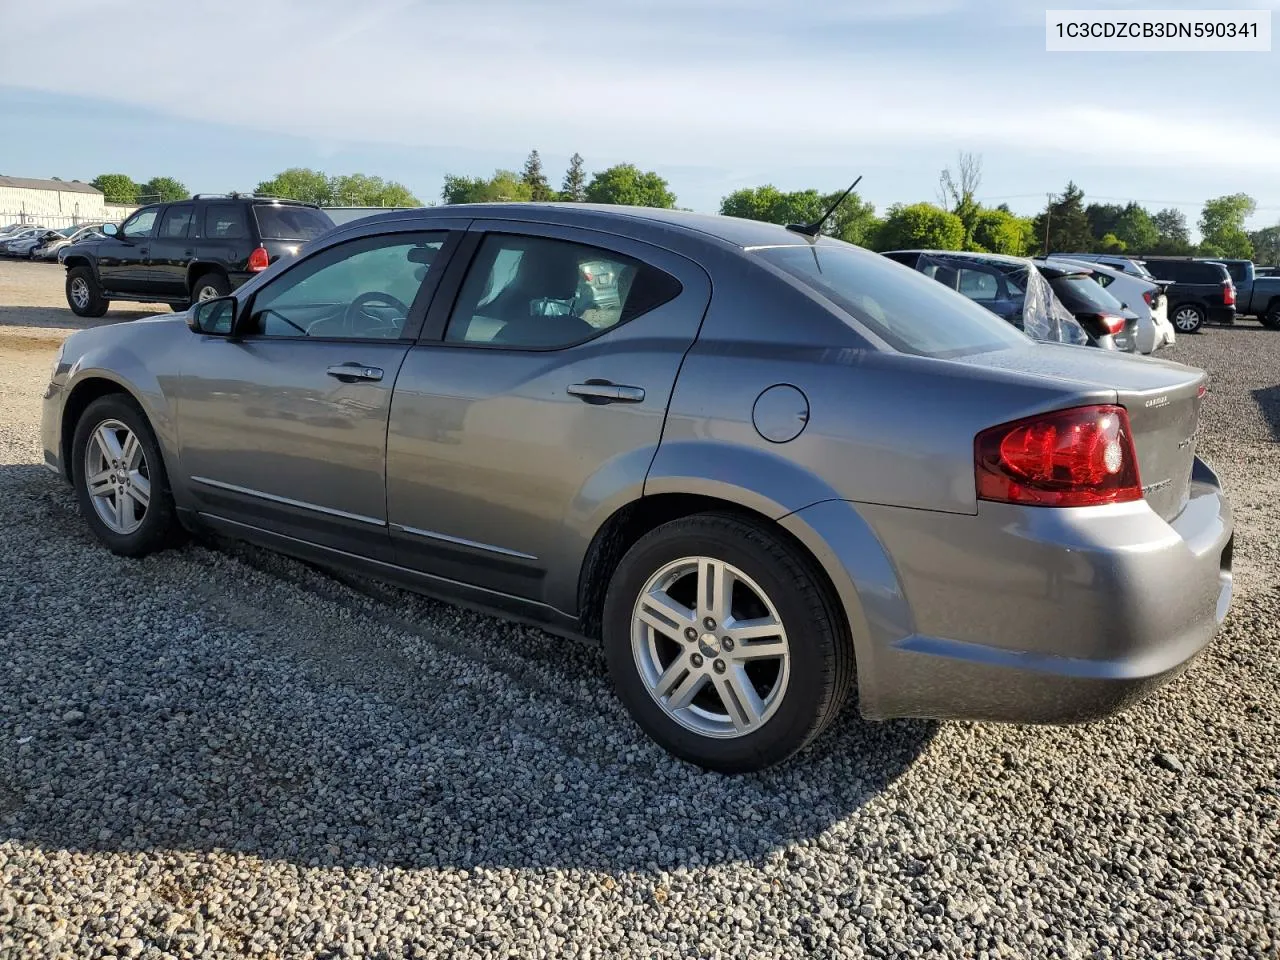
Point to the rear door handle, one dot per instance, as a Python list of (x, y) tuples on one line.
[(604, 391), (352, 372)]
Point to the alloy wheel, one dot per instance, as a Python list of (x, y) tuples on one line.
[(206, 292), (1186, 320), (710, 647), (117, 476), (80, 292)]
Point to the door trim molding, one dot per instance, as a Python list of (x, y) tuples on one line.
[(461, 541), (300, 504)]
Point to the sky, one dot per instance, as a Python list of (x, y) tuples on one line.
[(712, 94)]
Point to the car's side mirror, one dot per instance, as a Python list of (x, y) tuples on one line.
[(110, 229), (213, 318)]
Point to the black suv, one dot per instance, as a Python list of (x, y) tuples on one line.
[(1201, 291), (177, 253)]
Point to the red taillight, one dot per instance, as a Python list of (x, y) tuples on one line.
[(1112, 323), (1149, 297), (586, 275), (1229, 294), (259, 260), (1071, 458)]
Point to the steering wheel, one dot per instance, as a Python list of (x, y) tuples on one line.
[(359, 308)]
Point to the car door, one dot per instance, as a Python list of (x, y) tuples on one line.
[(522, 414), (282, 426), (123, 261), (171, 251)]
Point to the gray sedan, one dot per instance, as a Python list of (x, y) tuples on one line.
[(771, 469)]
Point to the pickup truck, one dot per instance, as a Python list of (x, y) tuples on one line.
[(1256, 296)]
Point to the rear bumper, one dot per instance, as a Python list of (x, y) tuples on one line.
[(1222, 314), (1041, 615)]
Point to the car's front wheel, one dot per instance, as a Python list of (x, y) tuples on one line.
[(724, 643), (120, 479), (208, 286), (84, 296), (1188, 318)]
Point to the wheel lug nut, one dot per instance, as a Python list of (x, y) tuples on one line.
[(709, 623), (719, 665), (690, 633), (726, 643), (696, 660)]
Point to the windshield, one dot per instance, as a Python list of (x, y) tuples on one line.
[(287, 222), (906, 309), (1082, 293)]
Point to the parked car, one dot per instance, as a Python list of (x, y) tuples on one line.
[(784, 463), (1256, 296), (1108, 322), (1130, 265), (1200, 292), (16, 240), (1010, 287), (177, 253), (1144, 297), (51, 243), (1267, 271)]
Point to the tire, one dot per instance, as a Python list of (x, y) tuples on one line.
[(1187, 317), (796, 695), (84, 295), (156, 524), (209, 285), (1271, 319)]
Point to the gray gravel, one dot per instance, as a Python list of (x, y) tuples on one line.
[(221, 752)]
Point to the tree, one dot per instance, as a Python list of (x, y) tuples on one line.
[(1222, 226), (1000, 231), (1172, 236), (116, 187), (853, 221), (1102, 218), (574, 186), (920, 225), (504, 185), (1135, 229), (1110, 243), (164, 189), (360, 190), (958, 191), (299, 183), (1063, 225), (533, 177), (626, 184), (1266, 245)]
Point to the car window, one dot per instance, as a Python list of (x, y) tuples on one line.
[(1104, 280), (140, 224), (1239, 272), (1168, 270), (280, 221), (978, 284), (174, 223), (907, 310), (225, 221), (1081, 294), (360, 290), (539, 293)]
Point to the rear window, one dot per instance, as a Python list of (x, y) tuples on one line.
[(907, 310), (1187, 271), (1238, 271), (286, 222), (1082, 294)]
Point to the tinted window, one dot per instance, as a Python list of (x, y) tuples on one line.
[(140, 224), (174, 223), (1238, 271), (225, 221), (285, 222), (1187, 271), (362, 290), (978, 284), (1082, 294), (907, 310), (539, 293)]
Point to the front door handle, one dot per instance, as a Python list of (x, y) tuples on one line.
[(604, 391), (353, 372)]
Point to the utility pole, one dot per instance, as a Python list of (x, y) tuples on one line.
[(1048, 219)]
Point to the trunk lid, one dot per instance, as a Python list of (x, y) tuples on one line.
[(1162, 398)]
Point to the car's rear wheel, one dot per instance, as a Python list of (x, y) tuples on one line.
[(1188, 318), (1271, 319), (207, 286), (724, 643), (84, 296), (120, 480)]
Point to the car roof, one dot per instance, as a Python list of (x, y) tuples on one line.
[(1056, 270), (730, 230)]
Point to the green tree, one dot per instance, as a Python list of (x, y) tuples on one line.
[(1000, 231), (164, 189), (920, 225), (958, 192), (1110, 243), (1064, 223), (853, 221), (1266, 245), (360, 190), (533, 177), (299, 183), (1172, 236), (1103, 219), (1135, 229), (574, 186), (627, 185), (116, 187), (1222, 226), (503, 186)]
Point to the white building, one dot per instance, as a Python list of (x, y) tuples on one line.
[(54, 203)]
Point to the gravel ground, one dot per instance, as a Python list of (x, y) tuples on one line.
[(220, 752)]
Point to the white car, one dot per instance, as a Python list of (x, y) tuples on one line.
[(1135, 268), (1145, 297), (8, 243)]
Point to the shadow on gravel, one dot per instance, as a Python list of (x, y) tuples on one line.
[(62, 318), (1268, 400), (198, 701)]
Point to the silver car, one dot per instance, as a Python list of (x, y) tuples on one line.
[(778, 468)]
